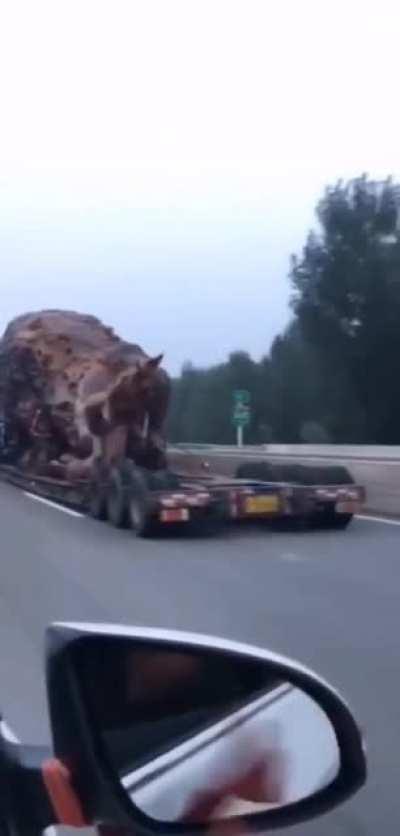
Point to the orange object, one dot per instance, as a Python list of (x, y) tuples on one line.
[(64, 800)]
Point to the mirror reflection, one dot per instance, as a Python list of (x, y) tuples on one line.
[(200, 735)]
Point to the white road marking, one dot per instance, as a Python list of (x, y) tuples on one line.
[(42, 499), (376, 519), (8, 732), (292, 557)]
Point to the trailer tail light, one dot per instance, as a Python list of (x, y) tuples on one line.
[(174, 515), (179, 500), (352, 493), (198, 500), (327, 494), (173, 500)]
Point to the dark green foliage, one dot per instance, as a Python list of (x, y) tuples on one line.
[(334, 374), (347, 303)]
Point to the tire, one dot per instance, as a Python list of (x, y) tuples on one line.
[(330, 521), (271, 471), (139, 506), (97, 501), (339, 522), (116, 497), (140, 517), (295, 474)]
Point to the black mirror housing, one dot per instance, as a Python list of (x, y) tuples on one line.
[(79, 744)]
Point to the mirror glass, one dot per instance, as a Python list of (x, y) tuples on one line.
[(196, 735)]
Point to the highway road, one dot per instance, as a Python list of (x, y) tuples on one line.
[(330, 599)]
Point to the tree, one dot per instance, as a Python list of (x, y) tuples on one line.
[(295, 385), (202, 401), (334, 373), (347, 305)]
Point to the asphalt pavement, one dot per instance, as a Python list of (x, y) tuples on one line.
[(329, 599)]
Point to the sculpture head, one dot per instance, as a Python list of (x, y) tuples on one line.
[(128, 394)]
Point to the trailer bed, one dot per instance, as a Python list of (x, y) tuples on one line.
[(149, 502), (313, 496)]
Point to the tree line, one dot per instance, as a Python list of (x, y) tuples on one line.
[(333, 375)]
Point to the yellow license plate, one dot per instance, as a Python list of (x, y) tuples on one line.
[(268, 504), (172, 515)]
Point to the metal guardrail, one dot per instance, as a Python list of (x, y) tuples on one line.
[(343, 452)]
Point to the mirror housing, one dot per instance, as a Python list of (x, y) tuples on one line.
[(78, 743)]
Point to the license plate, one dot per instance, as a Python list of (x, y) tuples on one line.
[(262, 504), (350, 506), (172, 515)]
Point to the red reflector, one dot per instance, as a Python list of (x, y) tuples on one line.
[(174, 515)]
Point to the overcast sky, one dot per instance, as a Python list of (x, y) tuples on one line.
[(160, 159)]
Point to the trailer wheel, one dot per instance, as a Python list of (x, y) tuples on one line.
[(338, 522), (139, 517), (329, 521), (116, 498), (295, 473), (139, 506), (97, 501)]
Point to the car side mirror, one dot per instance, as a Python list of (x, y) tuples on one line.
[(166, 732)]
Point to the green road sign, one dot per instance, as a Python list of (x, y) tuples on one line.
[(241, 396), (241, 408), (241, 415)]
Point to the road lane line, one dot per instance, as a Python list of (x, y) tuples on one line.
[(376, 519), (42, 499), (8, 732)]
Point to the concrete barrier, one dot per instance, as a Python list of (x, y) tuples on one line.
[(326, 451)]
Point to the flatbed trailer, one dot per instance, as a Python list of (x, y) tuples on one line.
[(151, 501), (315, 496), (127, 497), (146, 501)]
